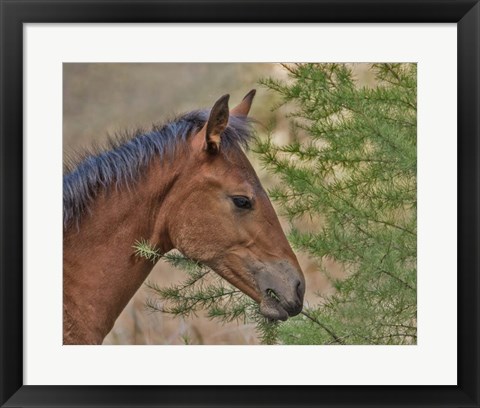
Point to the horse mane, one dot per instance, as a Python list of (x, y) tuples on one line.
[(125, 156)]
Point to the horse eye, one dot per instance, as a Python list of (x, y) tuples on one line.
[(242, 202)]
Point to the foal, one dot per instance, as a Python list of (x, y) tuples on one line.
[(187, 185)]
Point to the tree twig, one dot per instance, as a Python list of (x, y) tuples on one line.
[(331, 333)]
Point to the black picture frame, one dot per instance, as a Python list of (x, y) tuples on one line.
[(14, 13)]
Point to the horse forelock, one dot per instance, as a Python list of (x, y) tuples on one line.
[(128, 154)]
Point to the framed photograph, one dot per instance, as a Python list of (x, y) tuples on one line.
[(249, 204)]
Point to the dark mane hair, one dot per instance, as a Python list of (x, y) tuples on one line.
[(124, 160)]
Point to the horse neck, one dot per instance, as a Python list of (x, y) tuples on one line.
[(101, 273)]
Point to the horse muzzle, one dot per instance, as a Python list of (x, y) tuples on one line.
[(282, 288)]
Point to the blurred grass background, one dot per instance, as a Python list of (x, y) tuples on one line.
[(101, 99)]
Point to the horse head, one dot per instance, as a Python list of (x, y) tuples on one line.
[(221, 216)]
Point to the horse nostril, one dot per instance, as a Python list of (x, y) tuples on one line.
[(299, 288)]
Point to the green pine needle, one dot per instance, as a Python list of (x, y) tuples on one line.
[(143, 249)]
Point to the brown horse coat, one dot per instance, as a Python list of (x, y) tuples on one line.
[(195, 191)]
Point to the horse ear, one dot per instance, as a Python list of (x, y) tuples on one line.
[(217, 123), (243, 107)]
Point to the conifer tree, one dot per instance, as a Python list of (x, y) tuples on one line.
[(353, 165), (351, 171)]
